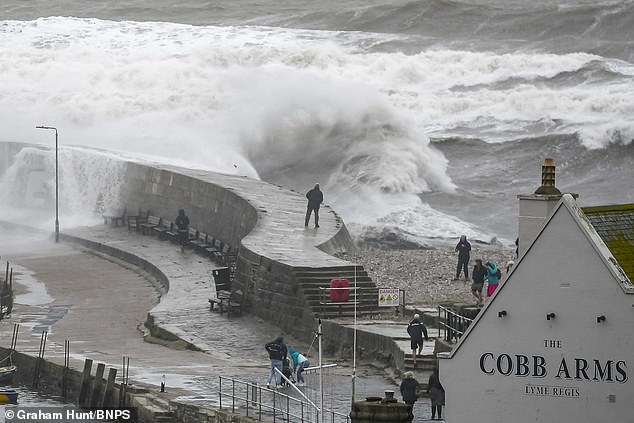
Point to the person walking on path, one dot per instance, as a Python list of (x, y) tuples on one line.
[(315, 198), (493, 277), (463, 248), (299, 364), (436, 394), (410, 389), (478, 274), (417, 332), (277, 354), (182, 227)]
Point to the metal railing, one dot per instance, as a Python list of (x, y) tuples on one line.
[(259, 402), (325, 297), (453, 324)]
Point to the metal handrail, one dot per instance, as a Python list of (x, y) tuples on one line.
[(454, 324), (281, 407), (323, 298)]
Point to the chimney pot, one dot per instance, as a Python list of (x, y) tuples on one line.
[(548, 178)]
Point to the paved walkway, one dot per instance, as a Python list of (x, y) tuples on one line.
[(99, 303), (279, 233)]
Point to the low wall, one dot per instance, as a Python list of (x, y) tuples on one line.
[(339, 340), (65, 383), (70, 386)]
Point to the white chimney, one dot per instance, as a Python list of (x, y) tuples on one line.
[(537, 207)]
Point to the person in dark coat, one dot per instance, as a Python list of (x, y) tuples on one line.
[(417, 332), (277, 354), (182, 227), (463, 248), (315, 198), (410, 389), (478, 274), (436, 393)]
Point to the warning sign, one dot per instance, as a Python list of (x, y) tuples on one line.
[(389, 297)]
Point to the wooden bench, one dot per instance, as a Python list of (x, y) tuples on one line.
[(175, 235), (152, 222), (215, 248), (234, 306), (228, 256), (219, 255), (134, 221), (201, 242), (163, 228), (171, 233), (192, 235), (116, 217), (223, 289), (222, 300)]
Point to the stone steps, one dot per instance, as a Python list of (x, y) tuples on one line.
[(313, 280)]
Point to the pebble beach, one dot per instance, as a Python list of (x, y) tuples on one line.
[(427, 275)]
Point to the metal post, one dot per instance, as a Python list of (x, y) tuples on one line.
[(354, 342), (321, 376), (56, 181), (220, 391)]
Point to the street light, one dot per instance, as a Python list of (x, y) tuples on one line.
[(56, 183)]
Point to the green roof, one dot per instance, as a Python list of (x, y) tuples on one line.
[(615, 226)]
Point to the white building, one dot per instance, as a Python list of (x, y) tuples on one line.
[(556, 341)]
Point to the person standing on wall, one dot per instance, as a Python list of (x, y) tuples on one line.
[(182, 227), (277, 354), (463, 248), (417, 331), (315, 198)]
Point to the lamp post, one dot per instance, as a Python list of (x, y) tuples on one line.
[(56, 183)]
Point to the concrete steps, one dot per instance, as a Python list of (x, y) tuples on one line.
[(313, 282), (154, 408)]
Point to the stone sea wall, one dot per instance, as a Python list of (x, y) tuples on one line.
[(232, 209)]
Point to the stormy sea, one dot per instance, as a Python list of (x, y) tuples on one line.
[(421, 120)]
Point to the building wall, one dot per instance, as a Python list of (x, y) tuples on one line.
[(560, 273)]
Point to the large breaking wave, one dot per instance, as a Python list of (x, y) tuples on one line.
[(352, 110)]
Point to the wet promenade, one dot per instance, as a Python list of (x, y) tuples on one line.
[(100, 303)]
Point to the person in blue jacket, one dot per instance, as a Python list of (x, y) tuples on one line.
[(493, 277), (299, 364)]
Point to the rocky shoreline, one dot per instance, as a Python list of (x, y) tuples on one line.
[(427, 275)]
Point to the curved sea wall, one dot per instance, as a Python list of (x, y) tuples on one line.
[(265, 221)]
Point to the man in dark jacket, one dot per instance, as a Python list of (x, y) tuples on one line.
[(410, 389), (315, 198), (417, 331), (277, 353), (463, 248)]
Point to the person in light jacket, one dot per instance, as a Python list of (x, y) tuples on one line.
[(299, 364)]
